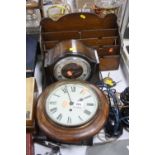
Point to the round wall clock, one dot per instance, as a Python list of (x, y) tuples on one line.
[(72, 110), (71, 59)]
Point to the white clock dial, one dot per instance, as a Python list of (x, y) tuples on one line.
[(72, 104)]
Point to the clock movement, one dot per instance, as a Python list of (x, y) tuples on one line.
[(71, 59), (71, 111)]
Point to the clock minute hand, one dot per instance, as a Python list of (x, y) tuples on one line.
[(71, 103)]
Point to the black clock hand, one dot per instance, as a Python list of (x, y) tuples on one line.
[(71, 103), (81, 99)]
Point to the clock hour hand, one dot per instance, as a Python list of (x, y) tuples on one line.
[(71, 103), (81, 99)]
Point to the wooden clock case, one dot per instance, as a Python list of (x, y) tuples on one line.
[(71, 48), (72, 134)]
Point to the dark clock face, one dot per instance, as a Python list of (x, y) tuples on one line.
[(71, 104), (72, 71), (72, 68)]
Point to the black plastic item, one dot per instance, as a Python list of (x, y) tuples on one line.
[(31, 54), (125, 117), (41, 138), (124, 96), (113, 127)]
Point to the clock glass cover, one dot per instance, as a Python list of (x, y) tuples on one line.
[(71, 104), (72, 68)]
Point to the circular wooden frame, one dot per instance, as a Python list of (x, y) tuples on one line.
[(72, 134)]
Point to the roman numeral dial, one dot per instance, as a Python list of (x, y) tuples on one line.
[(69, 120), (53, 110), (59, 117), (87, 112), (64, 90), (90, 104), (71, 104)]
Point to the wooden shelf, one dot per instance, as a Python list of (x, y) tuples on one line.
[(101, 34)]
